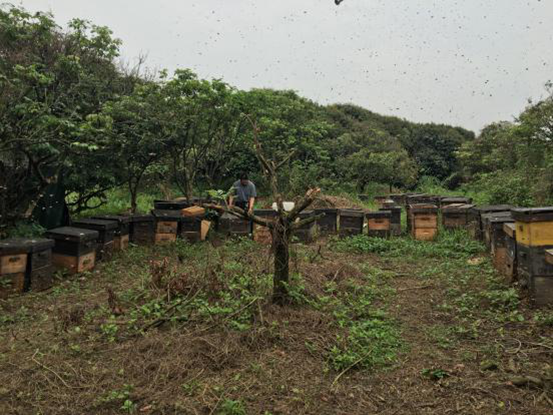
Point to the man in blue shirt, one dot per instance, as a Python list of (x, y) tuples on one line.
[(244, 194)]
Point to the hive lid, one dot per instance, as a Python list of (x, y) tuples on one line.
[(70, 232), (25, 245), (492, 208), (142, 218), (174, 215), (379, 214), (326, 210), (456, 199), (497, 216), (119, 218), (352, 212), (99, 224), (533, 214), (172, 204)]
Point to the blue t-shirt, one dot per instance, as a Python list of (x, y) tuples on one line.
[(244, 193)]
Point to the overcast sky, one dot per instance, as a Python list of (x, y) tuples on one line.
[(462, 62)]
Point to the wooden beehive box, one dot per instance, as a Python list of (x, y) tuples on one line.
[(106, 233), (13, 267), (191, 227), (456, 216), (395, 210), (74, 249), (171, 204), (121, 235), (167, 225), (487, 220), (328, 224), (424, 221), (457, 200), (351, 222), (511, 264), (475, 218), (534, 234), (262, 234), (143, 229), (231, 225), (498, 242), (379, 224), (307, 233)]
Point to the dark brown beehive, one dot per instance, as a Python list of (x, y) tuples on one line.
[(498, 242), (351, 222), (74, 249), (446, 201), (106, 233), (475, 218), (231, 225), (122, 232), (379, 224), (190, 228), (328, 224), (456, 216), (143, 229), (306, 233), (487, 220), (395, 225)]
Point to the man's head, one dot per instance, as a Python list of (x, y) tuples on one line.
[(244, 180)]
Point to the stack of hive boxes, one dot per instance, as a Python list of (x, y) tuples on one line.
[(74, 249), (424, 221), (122, 231), (167, 225), (328, 224), (233, 226), (351, 222), (495, 228), (534, 236), (475, 227), (106, 233), (142, 229), (379, 224), (193, 224), (25, 264), (395, 211), (419, 199), (456, 215)]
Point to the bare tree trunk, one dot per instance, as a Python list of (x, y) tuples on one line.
[(134, 195), (281, 249)]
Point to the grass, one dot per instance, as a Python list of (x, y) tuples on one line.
[(191, 329)]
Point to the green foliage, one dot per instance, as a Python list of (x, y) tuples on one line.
[(231, 407)]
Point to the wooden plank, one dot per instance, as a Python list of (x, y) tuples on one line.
[(13, 264), (378, 224), (429, 221), (549, 256), (205, 226), (193, 211), (425, 234)]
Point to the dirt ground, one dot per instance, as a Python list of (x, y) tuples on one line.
[(72, 349)]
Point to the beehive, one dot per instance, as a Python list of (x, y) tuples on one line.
[(191, 228), (395, 210), (511, 264), (306, 233), (498, 242), (13, 267), (231, 225), (74, 249), (143, 229), (379, 224), (328, 224), (475, 218), (167, 225), (457, 200), (424, 221), (398, 198), (380, 200), (534, 235), (106, 233), (351, 222), (488, 219), (171, 204), (262, 234), (418, 199), (122, 232), (456, 216)]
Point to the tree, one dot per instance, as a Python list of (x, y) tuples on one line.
[(285, 223)]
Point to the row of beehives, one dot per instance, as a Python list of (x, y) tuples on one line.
[(520, 240), (29, 264)]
